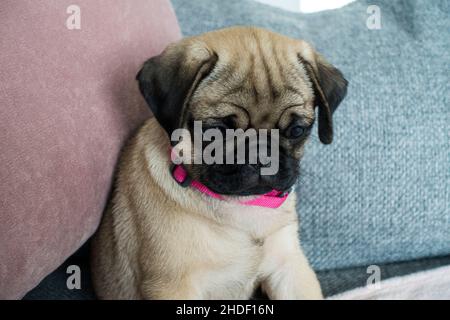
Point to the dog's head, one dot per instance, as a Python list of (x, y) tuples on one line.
[(244, 78)]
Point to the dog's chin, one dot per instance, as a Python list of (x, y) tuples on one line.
[(246, 190), (249, 191), (245, 182)]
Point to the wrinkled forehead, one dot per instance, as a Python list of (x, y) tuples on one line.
[(262, 85)]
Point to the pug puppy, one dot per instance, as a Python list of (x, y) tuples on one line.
[(160, 239)]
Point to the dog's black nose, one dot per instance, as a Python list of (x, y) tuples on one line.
[(226, 170), (237, 169)]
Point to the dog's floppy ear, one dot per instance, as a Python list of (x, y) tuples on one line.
[(167, 81), (330, 88)]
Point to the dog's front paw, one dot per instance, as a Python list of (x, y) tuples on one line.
[(300, 287)]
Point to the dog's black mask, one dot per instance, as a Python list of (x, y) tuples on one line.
[(246, 179), (249, 178)]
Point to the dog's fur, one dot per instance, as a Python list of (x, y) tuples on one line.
[(158, 240)]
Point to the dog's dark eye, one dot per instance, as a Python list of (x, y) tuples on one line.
[(221, 124), (295, 131), (218, 126)]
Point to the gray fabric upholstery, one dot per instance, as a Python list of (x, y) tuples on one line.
[(380, 192)]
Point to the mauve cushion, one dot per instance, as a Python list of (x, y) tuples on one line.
[(68, 100)]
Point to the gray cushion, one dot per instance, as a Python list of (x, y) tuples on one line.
[(380, 192)]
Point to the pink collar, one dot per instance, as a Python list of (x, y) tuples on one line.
[(272, 199)]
